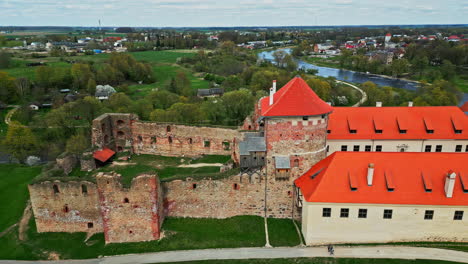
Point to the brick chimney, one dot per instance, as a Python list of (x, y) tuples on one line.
[(370, 174), (274, 86), (378, 104), (450, 183)]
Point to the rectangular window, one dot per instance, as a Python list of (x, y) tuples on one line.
[(344, 148), (429, 215), (458, 215), (353, 131), (378, 148), (430, 131), (402, 131), (362, 213), (438, 148), (387, 214), (344, 212), (368, 148), (378, 131), (458, 131), (328, 131), (458, 148), (206, 143), (326, 212), (428, 148), (356, 148)]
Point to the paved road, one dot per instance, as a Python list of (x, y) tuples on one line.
[(398, 252), (363, 94)]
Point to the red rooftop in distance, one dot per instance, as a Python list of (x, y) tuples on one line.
[(296, 98), (397, 178), (103, 155)]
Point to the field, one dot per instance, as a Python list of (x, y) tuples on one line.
[(163, 63), (13, 191)]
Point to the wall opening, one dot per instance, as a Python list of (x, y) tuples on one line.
[(120, 134), (126, 200), (206, 143), (194, 186), (140, 139), (168, 129), (170, 140), (120, 123), (106, 139), (296, 163), (90, 225), (66, 209), (250, 127), (226, 145), (236, 186), (84, 189), (153, 140), (56, 189), (190, 141), (119, 149), (103, 127)]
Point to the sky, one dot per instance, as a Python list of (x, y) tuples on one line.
[(225, 13)]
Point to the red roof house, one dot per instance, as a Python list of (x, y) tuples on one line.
[(398, 178), (429, 122), (296, 98), (103, 155)]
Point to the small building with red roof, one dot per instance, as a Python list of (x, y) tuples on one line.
[(352, 197)]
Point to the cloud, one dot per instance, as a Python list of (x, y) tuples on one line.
[(230, 13)]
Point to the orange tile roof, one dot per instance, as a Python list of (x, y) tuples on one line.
[(103, 155), (408, 173), (415, 120), (296, 98), (464, 107)]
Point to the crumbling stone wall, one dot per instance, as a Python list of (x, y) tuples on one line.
[(113, 131), (222, 198), (133, 214), (180, 140), (66, 207), (67, 163)]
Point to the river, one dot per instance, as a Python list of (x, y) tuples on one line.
[(352, 76)]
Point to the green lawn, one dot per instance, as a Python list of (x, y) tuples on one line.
[(14, 192), (317, 261), (282, 233), (166, 168), (180, 234), (462, 83)]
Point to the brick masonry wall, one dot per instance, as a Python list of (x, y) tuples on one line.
[(68, 210), (130, 215), (179, 140), (304, 141)]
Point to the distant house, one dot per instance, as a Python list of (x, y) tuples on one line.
[(383, 56), (103, 92), (454, 38), (213, 92)]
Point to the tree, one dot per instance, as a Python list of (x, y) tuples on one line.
[(120, 103), (91, 86), (77, 144), (20, 142), (81, 74), (279, 57), (321, 88), (238, 104), (7, 88), (399, 67), (163, 99), (181, 84), (5, 59), (22, 86), (448, 70), (419, 64), (88, 108)]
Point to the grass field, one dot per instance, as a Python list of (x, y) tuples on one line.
[(288, 236), (165, 167), (317, 261), (14, 192), (180, 233)]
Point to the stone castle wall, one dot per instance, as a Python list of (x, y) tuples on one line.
[(66, 206), (130, 215), (222, 198), (304, 141), (123, 132), (124, 215), (180, 140)]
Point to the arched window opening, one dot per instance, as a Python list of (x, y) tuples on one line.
[(190, 141), (66, 209), (194, 186), (153, 140), (84, 189), (168, 129), (126, 200), (120, 134)]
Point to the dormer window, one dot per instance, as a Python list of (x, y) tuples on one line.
[(328, 131), (458, 131), (430, 131), (402, 131), (378, 131), (353, 131)]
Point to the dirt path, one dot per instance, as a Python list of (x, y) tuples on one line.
[(23, 223), (6, 231), (363, 94), (10, 114), (199, 165)]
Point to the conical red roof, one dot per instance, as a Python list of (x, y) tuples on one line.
[(296, 98)]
